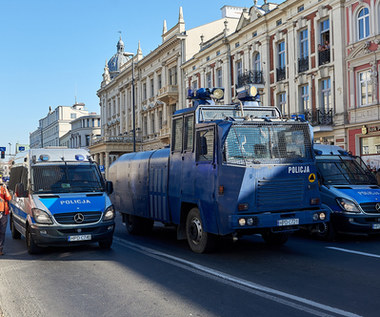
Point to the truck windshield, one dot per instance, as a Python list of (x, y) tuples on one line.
[(66, 179), (267, 144), (344, 172)]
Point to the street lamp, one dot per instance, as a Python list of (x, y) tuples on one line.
[(10, 149), (133, 100)]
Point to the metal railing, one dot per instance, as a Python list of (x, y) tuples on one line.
[(319, 117), (303, 64), (114, 139), (324, 57), (281, 73), (250, 77)]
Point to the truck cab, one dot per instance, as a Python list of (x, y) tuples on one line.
[(350, 191)]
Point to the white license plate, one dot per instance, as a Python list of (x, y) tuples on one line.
[(376, 226), (288, 222), (83, 237)]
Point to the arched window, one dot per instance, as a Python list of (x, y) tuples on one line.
[(256, 62), (363, 23)]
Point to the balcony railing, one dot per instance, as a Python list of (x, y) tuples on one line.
[(303, 64), (115, 139), (281, 73), (250, 77), (319, 117), (324, 57)]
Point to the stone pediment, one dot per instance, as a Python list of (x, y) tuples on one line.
[(363, 49)]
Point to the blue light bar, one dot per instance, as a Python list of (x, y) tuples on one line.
[(79, 157), (44, 157)]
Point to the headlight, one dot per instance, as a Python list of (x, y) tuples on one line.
[(41, 216), (109, 214), (347, 205)]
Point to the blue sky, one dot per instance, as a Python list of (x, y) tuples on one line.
[(52, 51)]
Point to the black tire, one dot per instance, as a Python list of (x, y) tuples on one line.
[(326, 232), (275, 239), (199, 240), (15, 234), (32, 247), (105, 244), (137, 225)]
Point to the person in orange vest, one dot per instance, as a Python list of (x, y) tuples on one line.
[(5, 197)]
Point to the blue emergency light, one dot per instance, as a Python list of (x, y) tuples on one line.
[(206, 93)]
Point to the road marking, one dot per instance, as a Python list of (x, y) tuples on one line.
[(254, 288), (355, 252)]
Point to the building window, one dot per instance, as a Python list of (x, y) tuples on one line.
[(300, 8), (237, 44), (159, 81), (73, 115), (254, 34), (365, 88), (219, 77), (208, 80), (326, 94), (151, 87), (217, 53), (194, 85), (173, 76), (281, 73), (363, 23), (239, 69), (207, 58), (305, 99), (303, 61), (144, 91), (87, 140), (324, 46), (370, 145), (278, 22), (256, 62), (282, 102)]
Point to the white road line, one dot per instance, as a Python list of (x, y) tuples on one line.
[(257, 289), (355, 252)]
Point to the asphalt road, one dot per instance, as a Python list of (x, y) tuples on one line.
[(156, 275)]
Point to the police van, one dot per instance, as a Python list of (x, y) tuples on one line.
[(59, 197)]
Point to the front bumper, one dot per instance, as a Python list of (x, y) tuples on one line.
[(282, 221), (59, 236), (356, 223)]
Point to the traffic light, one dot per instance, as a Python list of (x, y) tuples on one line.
[(2, 154)]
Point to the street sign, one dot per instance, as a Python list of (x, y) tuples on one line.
[(3, 148), (21, 148), (101, 167)]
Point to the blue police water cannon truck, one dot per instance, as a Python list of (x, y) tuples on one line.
[(234, 170)]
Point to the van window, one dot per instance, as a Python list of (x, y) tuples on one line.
[(66, 179), (18, 174)]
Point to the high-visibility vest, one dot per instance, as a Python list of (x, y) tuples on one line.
[(5, 196)]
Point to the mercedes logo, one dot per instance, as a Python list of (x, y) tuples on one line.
[(377, 206), (78, 218)]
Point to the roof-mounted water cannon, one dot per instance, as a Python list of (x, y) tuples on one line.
[(247, 93), (204, 96)]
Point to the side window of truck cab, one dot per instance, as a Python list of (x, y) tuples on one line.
[(205, 145), (177, 135)]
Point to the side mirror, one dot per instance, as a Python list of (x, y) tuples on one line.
[(109, 187), (20, 190)]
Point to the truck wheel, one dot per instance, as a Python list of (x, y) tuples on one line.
[(15, 234), (199, 240), (31, 246), (275, 239), (105, 244), (138, 225), (326, 232)]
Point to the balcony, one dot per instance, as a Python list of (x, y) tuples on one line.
[(281, 73), (303, 64), (168, 94), (251, 77), (319, 117), (324, 57)]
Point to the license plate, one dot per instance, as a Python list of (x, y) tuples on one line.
[(376, 226), (83, 237), (288, 222)]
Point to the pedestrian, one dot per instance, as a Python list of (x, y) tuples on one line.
[(5, 197)]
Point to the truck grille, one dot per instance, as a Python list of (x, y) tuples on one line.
[(68, 218), (280, 193), (370, 208)]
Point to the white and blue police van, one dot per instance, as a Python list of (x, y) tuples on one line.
[(59, 198)]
